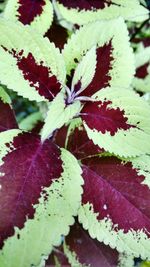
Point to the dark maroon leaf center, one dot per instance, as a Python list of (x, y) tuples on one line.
[(85, 4), (116, 191), (39, 76), (101, 117), (28, 10), (142, 71)]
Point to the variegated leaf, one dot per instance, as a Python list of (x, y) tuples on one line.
[(30, 65), (141, 81), (114, 64), (37, 200), (81, 12), (7, 116), (115, 204), (116, 118), (31, 121), (37, 14)]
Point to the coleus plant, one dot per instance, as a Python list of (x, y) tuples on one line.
[(90, 158)]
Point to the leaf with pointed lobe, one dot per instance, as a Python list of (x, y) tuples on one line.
[(38, 178), (82, 12), (115, 203), (30, 65), (7, 115), (114, 58), (37, 14), (116, 118)]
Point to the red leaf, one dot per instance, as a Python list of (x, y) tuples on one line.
[(101, 117), (29, 9), (27, 169), (7, 117), (116, 191)]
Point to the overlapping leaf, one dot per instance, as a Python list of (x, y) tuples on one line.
[(141, 81), (30, 64), (7, 116), (81, 12), (37, 14), (37, 202), (115, 203)]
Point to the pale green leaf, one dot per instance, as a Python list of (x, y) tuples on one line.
[(51, 220), (30, 42)]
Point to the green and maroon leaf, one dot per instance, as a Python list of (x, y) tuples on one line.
[(37, 14), (35, 63), (82, 12), (111, 64), (35, 184), (7, 115), (118, 117), (115, 203)]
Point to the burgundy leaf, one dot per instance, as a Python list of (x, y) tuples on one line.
[(78, 142), (26, 170), (58, 35), (116, 191), (99, 116), (142, 71), (7, 117), (85, 4), (28, 10)]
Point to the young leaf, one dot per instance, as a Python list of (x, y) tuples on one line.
[(141, 81), (44, 193), (114, 58), (58, 114), (116, 118), (81, 12), (115, 203), (29, 65), (7, 116), (37, 14)]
